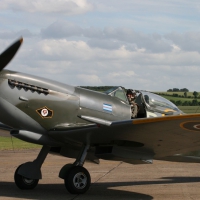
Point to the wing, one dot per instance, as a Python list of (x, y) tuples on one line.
[(5, 130), (5, 127), (160, 136)]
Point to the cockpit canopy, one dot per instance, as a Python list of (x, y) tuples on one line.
[(154, 101)]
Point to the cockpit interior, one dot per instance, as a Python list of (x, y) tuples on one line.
[(149, 104)]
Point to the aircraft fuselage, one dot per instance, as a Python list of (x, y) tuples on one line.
[(40, 104)]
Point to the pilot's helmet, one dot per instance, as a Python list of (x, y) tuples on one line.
[(129, 92)]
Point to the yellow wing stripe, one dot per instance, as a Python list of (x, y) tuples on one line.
[(167, 118)]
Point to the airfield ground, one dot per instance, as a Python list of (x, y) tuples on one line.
[(110, 180)]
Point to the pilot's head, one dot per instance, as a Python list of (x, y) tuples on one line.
[(129, 92)]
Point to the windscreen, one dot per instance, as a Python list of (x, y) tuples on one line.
[(117, 92), (111, 90)]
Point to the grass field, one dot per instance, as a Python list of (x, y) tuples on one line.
[(185, 109), (8, 143), (178, 98), (179, 93), (190, 109)]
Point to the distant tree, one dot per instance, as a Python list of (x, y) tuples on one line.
[(170, 90), (176, 90), (194, 102), (184, 90), (185, 103), (195, 94), (179, 103), (173, 101), (185, 94)]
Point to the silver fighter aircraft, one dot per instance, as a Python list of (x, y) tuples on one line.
[(88, 125)]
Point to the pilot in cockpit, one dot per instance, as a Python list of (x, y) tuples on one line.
[(131, 95)]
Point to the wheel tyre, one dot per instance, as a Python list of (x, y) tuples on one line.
[(24, 183), (65, 170), (68, 166), (77, 180)]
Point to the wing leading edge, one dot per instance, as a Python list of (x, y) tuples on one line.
[(5, 127)]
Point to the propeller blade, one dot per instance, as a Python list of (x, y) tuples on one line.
[(9, 53)]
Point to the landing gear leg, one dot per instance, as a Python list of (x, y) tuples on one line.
[(28, 174), (77, 178)]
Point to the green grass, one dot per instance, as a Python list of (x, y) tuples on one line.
[(6, 144), (190, 109), (179, 98), (179, 93)]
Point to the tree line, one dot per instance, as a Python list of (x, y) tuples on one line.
[(185, 95), (178, 90), (194, 102)]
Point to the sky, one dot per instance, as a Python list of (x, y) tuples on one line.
[(150, 45)]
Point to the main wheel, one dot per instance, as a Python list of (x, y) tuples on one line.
[(65, 170), (24, 183), (77, 180)]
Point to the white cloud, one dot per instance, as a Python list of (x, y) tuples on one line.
[(137, 6), (61, 29), (15, 34), (188, 41), (62, 50), (138, 44), (176, 48), (68, 7), (77, 63), (86, 79), (123, 74), (109, 37)]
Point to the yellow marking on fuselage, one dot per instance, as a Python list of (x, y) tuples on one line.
[(167, 118)]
